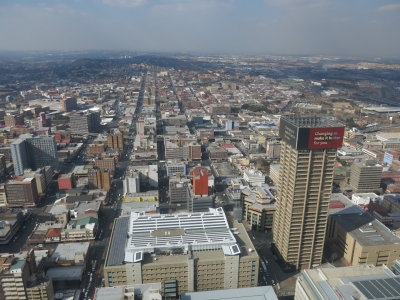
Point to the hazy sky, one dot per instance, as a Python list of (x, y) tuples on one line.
[(327, 27)]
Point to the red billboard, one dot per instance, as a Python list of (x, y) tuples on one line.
[(325, 138)]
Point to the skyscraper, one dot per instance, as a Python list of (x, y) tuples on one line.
[(308, 155), (33, 152)]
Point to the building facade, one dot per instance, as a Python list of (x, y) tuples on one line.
[(365, 177), (308, 154), (196, 263)]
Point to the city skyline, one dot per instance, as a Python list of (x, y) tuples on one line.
[(260, 27)]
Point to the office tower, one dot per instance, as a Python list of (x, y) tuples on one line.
[(115, 140), (33, 152), (185, 252), (69, 104), (20, 156), (22, 193), (140, 126), (365, 177), (200, 181), (308, 155), (85, 122), (13, 120)]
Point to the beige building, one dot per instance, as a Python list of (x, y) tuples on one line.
[(358, 237), (308, 154), (365, 177), (361, 282), (189, 252), (258, 207)]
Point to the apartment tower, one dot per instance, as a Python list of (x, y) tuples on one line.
[(308, 153)]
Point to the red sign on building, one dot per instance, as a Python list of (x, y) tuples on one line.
[(325, 138)]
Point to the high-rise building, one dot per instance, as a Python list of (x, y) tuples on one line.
[(365, 177), (200, 181), (85, 122), (308, 154), (33, 152), (185, 252), (115, 140)]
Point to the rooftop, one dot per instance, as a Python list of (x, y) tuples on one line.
[(253, 293), (310, 122)]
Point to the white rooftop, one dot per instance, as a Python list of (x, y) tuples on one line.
[(195, 231)]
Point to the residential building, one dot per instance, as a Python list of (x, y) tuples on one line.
[(359, 282), (365, 177), (308, 155), (177, 251)]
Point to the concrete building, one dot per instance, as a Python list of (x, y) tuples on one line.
[(365, 177), (99, 179), (358, 237), (273, 149), (361, 282), (69, 104), (22, 193), (308, 156), (106, 163), (252, 293), (185, 252), (174, 168), (151, 291), (33, 152), (254, 177), (12, 120), (115, 140), (258, 207), (85, 122), (179, 191), (131, 183), (200, 181)]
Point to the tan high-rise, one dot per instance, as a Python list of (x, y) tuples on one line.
[(308, 154)]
